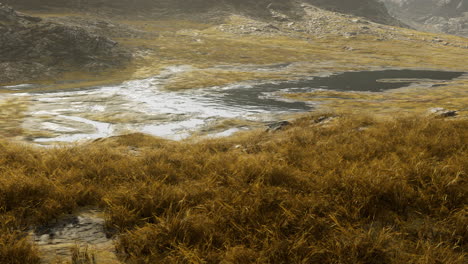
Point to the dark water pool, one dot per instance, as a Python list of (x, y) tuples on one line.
[(257, 96)]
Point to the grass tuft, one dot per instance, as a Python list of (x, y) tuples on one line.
[(353, 189)]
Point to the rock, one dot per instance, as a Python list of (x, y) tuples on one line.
[(271, 27), (278, 16), (278, 126), (86, 228), (349, 34), (25, 40), (442, 112), (321, 119)]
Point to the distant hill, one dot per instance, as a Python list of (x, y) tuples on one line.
[(371, 9), (447, 16)]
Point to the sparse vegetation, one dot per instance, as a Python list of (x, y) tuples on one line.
[(353, 190), (82, 255)]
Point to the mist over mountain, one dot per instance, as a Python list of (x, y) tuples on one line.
[(447, 16)]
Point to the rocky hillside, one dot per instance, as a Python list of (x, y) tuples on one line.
[(447, 16), (32, 48), (371, 9)]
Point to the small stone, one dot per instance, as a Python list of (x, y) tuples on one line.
[(442, 112), (350, 34), (323, 120), (278, 126), (270, 26)]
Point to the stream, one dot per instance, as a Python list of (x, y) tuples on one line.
[(143, 106)]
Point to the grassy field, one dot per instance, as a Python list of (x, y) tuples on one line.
[(353, 190)]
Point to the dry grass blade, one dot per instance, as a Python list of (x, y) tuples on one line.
[(356, 190)]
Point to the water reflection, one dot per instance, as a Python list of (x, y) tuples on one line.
[(142, 105)]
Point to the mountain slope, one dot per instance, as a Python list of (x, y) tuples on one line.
[(447, 16), (233, 33), (371, 9), (31, 46)]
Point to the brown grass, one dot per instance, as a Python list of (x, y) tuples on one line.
[(12, 111), (15, 248), (82, 255), (357, 190), (450, 95)]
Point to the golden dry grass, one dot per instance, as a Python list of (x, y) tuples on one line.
[(356, 190), (450, 94), (12, 110)]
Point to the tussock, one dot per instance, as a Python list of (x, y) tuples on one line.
[(353, 190)]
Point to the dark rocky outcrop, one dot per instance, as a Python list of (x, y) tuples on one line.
[(30, 46)]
